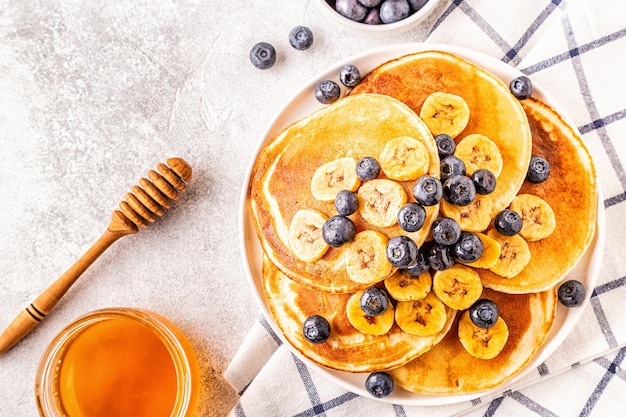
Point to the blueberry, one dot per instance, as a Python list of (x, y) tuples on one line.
[(521, 87), (459, 190), (338, 230), (450, 166), (327, 91), (374, 301), (571, 293), (484, 181), (440, 257), (417, 4), (392, 11), (349, 75), (445, 144), (316, 329), (421, 265), (370, 3), (263, 55), (469, 247), (367, 169), (446, 231), (402, 251), (373, 17), (508, 222), (379, 384), (411, 217), (484, 313), (538, 169), (428, 190), (346, 202), (351, 9), (301, 38)]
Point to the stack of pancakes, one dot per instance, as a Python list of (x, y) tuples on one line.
[(385, 105)]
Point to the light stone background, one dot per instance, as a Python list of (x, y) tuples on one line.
[(93, 94)]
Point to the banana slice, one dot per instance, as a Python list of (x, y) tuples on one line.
[(380, 200), (514, 255), (445, 113), (367, 257), (491, 253), (458, 286), (475, 217), (333, 177), (374, 325), (480, 342), (538, 220), (404, 158), (403, 286), (424, 317), (305, 235), (479, 152)]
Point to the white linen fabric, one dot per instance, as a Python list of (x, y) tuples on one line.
[(575, 49)]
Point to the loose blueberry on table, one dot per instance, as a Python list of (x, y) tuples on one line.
[(301, 38), (263, 55)]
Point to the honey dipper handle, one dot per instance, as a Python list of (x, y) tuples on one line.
[(32, 315)]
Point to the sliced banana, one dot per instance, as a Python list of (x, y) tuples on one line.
[(333, 177), (475, 217), (458, 286), (376, 326), (491, 252), (479, 152), (305, 235), (538, 219), (366, 261), (404, 158), (514, 254), (424, 317), (480, 342), (445, 113), (403, 286), (380, 200)]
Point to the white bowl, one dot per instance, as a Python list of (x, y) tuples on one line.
[(386, 29)]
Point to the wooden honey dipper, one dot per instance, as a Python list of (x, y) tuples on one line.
[(146, 201)]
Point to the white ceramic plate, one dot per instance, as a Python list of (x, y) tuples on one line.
[(303, 103)]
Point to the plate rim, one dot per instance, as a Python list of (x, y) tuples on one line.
[(591, 260)]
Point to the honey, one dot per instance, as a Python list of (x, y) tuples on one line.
[(118, 363)]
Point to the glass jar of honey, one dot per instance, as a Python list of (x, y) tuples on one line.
[(118, 362)]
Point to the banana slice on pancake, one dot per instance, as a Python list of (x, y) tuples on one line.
[(479, 152), (347, 349), (571, 193), (445, 113), (493, 113), (333, 177), (282, 180), (538, 221), (305, 235), (404, 158), (448, 368), (367, 258)]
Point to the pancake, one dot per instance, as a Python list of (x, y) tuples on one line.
[(280, 184), (448, 369), (347, 349), (571, 191), (494, 113)]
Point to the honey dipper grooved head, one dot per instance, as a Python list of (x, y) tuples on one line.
[(180, 168)]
